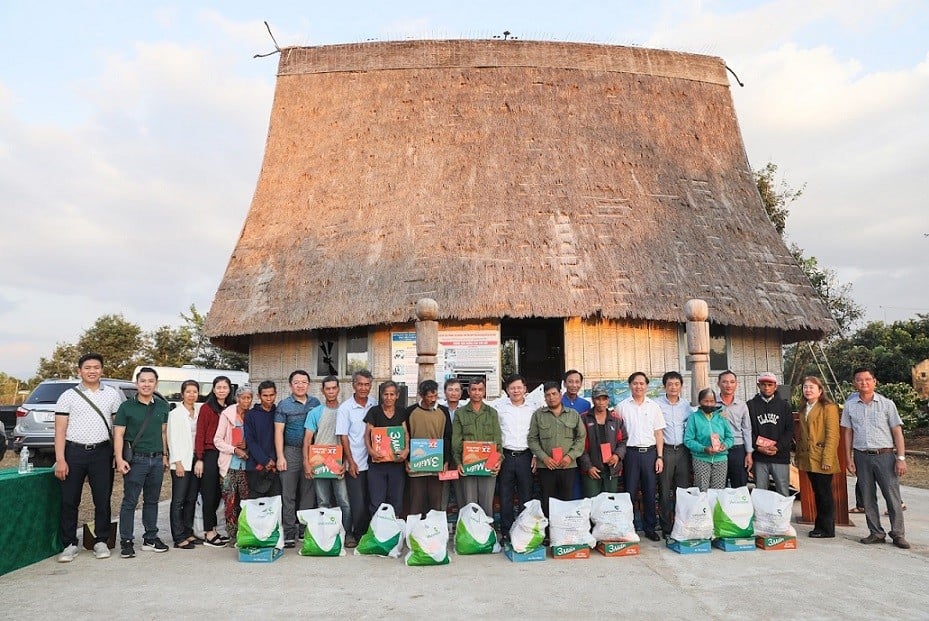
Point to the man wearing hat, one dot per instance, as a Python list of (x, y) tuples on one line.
[(772, 435), (604, 448)]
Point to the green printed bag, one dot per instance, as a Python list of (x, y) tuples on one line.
[(733, 512), (385, 534), (260, 523), (324, 534), (474, 533), (528, 531), (427, 539)]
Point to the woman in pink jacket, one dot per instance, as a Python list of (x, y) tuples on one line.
[(233, 454)]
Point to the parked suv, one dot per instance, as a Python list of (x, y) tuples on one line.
[(35, 418)]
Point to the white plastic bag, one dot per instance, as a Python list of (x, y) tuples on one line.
[(385, 534), (612, 517), (427, 539), (569, 522), (260, 523), (324, 535), (772, 513), (692, 517), (474, 533), (528, 531), (733, 513)]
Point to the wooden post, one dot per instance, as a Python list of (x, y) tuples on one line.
[(698, 346), (427, 339)]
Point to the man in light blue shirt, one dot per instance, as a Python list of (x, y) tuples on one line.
[(677, 468), (350, 430)]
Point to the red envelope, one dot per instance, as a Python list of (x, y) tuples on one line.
[(492, 460), (237, 436), (557, 454), (449, 475), (605, 452)]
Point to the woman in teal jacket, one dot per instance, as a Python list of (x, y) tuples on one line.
[(708, 436)]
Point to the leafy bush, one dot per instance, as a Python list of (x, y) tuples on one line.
[(912, 409)]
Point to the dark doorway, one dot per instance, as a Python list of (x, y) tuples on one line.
[(534, 348)]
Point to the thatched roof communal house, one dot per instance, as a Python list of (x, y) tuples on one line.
[(562, 201)]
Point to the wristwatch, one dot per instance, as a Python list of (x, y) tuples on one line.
[(901, 457)]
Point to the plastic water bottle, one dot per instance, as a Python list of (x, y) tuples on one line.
[(24, 460)]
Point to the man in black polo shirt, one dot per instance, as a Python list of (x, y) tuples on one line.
[(145, 472)]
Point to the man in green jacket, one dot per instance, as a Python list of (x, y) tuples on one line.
[(556, 438), (477, 422)]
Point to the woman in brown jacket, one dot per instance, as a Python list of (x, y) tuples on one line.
[(817, 452)]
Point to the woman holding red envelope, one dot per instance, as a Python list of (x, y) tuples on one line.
[(708, 436), (233, 454), (601, 463)]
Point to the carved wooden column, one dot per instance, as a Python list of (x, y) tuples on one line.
[(427, 339), (698, 346)]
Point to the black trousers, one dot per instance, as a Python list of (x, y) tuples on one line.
[(386, 481), (825, 503), (738, 475), (184, 491), (96, 465), (556, 484), (515, 477), (209, 488), (358, 502)]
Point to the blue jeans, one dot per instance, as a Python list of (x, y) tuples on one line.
[(145, 476), (880, 470), (334, 493), (515, 476)]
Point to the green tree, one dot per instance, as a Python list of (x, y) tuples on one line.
[(891, 350), (169, 347), (775, 196), (205, 354), (119, 341), (62, 363)]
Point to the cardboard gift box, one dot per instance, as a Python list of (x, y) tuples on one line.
[(389, 440), (478, 459), (326, 461), (259, 555), (734, 544), (524, 557), (426, 454), (572, 551), (690, 546), (781, 542), (618, 548)]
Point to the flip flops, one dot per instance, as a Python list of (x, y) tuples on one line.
[(856, 510)]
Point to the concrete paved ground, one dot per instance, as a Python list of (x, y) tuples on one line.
[(823, 579)]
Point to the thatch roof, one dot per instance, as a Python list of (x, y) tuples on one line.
[(505, 178)]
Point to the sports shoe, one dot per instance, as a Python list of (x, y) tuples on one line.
[(350, 542), (68, 554), (126, 549), (154, 545), (101, 550), (289, 543)]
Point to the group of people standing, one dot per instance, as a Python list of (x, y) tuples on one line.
[(231, 449)]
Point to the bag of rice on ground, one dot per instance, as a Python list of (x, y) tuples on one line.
[(474, 533), (427, 539), (772, 514), (324, 534), (528, 531), (692, 517), (260, 523), (569, 522), (612, 517), (733, 513), (385, 534)]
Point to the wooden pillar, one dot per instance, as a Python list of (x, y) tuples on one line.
[(427, 339), (698, 346), (839, 487)]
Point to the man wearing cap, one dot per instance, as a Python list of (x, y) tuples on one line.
[(772, 435), (604, 447), (875, 449), (736, 412)]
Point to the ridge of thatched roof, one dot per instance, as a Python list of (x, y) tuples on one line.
[(505, 178)]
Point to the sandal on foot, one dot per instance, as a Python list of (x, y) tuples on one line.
[(215, 541), (856, 510)]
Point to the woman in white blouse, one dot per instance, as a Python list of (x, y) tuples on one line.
[(182, 427)]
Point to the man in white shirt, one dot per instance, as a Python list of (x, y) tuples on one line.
[(518, 462), (350, 430), (644, 449), (84, 450)]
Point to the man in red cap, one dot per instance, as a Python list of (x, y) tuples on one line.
[(772, 435)]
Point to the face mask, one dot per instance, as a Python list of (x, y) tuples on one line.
[(708, 408)]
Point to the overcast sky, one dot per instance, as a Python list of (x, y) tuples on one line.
[(131, 134)]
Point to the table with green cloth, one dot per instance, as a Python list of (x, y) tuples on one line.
[(30, 510)]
